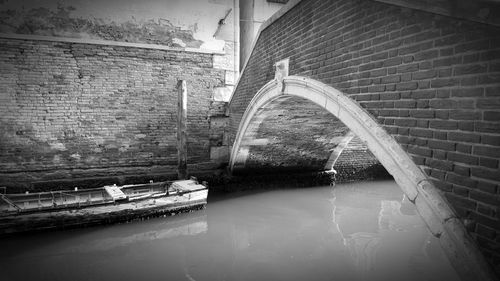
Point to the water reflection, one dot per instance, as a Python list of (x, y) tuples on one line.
[(385, 236), (362, 231)]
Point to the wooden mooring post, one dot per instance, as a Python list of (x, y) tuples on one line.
[(181, 130)]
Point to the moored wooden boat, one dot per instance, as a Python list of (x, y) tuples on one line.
[(109, 204)]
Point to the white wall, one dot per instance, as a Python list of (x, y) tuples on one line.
[(252, 14), (199, 17)]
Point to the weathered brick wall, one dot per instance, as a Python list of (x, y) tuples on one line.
[(274, 144), (70, 112), (297, 135), (357, 163), (433, 81)]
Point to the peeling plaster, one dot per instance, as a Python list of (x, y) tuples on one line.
[(61, 23), (172, 23)]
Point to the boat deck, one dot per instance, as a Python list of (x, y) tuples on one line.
[(27, 202), (59, 210)]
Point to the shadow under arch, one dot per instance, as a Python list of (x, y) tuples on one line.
[(459, 247)]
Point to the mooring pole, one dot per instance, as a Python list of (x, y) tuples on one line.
[(181, 130)]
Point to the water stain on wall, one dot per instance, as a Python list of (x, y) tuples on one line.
[(60, 22)]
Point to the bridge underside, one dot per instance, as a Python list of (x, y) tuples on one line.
[(292, 134)]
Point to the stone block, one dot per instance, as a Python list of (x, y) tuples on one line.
[(219, 123), (225, 61), (222, 93), (219, 154), (230, 78)]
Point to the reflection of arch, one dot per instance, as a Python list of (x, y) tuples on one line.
[(438, 216), (334, 156)]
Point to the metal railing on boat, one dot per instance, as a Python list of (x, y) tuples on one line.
[(8, 201)]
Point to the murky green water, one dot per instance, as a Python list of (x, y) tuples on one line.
[(360, 231)]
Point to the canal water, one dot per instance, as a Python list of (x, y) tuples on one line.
[(356, 231)]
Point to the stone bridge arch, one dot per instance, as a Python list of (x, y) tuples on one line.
[(437, 214)]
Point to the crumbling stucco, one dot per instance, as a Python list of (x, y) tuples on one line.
[(61, 22)]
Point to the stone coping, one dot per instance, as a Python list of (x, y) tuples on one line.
[(106, 43)]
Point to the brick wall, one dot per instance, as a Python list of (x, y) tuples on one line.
[(85, 114), (432, 81), (296, 135), (357, 163), (274, 145)]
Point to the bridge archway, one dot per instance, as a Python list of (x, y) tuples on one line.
[(435, 211)]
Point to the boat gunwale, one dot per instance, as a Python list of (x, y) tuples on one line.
[(105, 201)]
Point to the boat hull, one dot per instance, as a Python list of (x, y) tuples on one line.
[(118, 212)]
